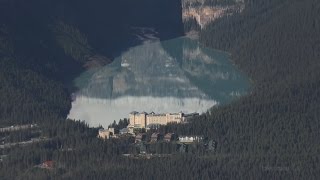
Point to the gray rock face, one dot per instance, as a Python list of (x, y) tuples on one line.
[(207, 11)]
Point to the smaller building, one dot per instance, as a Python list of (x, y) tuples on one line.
[(106, 133), (190, 139), (155, 137), (126, 131), (140, 137), (169, 137)]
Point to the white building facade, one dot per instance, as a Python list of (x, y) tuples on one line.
[(144, 120)]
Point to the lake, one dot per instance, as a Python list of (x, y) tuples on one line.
[(177, 75)]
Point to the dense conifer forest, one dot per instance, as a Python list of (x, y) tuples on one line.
[(271, 133)]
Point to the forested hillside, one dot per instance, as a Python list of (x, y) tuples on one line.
[(271, 133), (46, 43), (277, 45)]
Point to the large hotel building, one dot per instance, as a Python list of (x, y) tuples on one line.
[(145, 120)]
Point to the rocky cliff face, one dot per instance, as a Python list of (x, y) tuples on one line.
[(203, 12)]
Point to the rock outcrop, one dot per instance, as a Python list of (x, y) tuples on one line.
[(205, 11)]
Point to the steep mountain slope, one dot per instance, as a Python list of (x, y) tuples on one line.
[(277, 44), (52, 41)]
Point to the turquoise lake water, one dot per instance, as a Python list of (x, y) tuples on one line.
[(177, 75)]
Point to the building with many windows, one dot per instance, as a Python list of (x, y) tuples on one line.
[(145, 120)]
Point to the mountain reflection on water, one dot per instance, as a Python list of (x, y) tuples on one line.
[(171, 76)]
